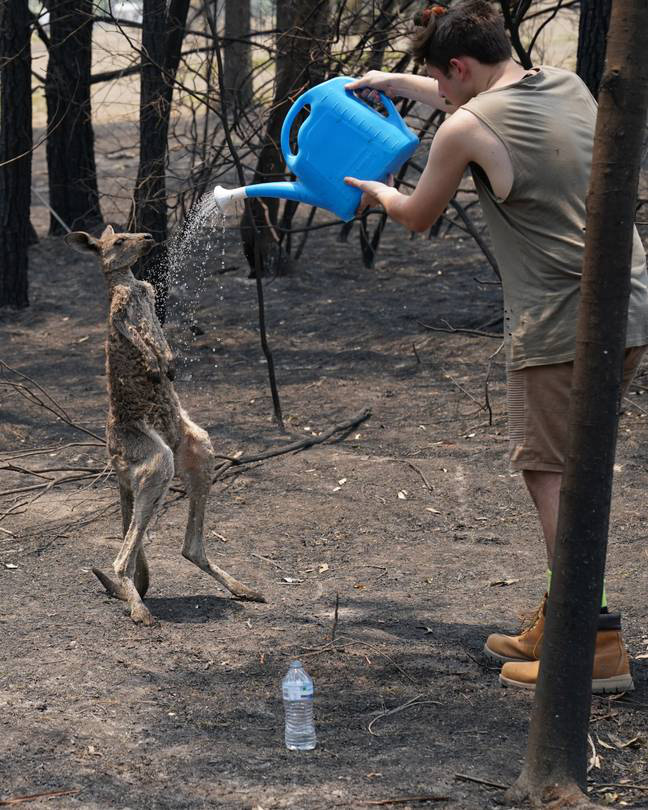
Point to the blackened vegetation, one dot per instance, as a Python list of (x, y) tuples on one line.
[(15, 154), (162, 36), (70, 141), (592, 34)]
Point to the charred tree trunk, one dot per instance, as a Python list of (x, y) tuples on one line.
[(592, 33), (15, 150), (512, 20), (162, 36), (238, 54), (70, 143), (557, 752), (301, 48), (380, 36)]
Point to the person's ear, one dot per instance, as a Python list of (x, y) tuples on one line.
[(82, 242), (459, 66)]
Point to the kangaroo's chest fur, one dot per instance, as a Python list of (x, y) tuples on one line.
[(138, 359)]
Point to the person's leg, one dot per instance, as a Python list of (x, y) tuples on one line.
[(539, 439), (544, 488), (537, 405)]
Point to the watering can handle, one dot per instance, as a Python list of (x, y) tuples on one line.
[(392, 113), (289, 120)]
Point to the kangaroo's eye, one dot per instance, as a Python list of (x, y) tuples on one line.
[(119, 241)]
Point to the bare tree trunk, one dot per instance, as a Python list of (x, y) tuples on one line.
[(162, 36), (238, 54), (557, 751), (380, 36), (512, 20), (592, 32), (70, 143), (15, 150), (302, 39)]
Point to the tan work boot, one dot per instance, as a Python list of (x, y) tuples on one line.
[(526, 646), (611, 665)]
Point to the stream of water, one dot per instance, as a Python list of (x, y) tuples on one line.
[(196, 262)]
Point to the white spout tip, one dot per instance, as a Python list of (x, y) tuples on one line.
[(226, 197)]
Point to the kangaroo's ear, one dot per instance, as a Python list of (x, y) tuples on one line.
[(82, 242), (108, 231)]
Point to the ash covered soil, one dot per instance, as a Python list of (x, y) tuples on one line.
[(410, 521)]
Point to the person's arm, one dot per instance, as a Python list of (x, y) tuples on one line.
[(407, 85), (450, 153)]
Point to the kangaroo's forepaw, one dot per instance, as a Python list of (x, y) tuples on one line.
[(141, 615)]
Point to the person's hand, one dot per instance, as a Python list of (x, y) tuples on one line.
[(371, 84), (370, 190)]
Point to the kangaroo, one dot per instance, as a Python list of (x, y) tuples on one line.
[(149, 435)]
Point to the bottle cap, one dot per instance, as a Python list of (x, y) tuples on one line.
[(296, 665)]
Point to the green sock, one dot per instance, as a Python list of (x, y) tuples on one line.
[(604, 603)]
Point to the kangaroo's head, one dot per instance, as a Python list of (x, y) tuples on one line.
[(115, 251)]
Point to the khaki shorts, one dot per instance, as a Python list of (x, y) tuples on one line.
[(537, 400)]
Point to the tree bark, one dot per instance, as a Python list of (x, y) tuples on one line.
[(592, 33), (162, 36), (557, 750), (300, 64), (512, 21), (237, 77), (15, 151), (380, 36), (70, 142)]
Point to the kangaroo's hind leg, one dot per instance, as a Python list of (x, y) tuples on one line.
[(195, 463), (141, 578), (144, 462)]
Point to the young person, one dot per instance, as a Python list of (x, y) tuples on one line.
[(526, 136)]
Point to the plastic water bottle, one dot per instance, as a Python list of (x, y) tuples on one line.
[(297, 687)]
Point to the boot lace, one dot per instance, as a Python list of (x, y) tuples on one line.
[(530, 619)]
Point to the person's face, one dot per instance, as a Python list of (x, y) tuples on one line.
[(454, 86)]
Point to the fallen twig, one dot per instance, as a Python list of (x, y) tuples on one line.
[(479, 781), (47, 485), (458, 330), (463, 390), (347, 641), (58, 528), (481, 664), (632, 402), (335, 617), (423, 478), (54, 407), (37, 451), (412, 702), (40, 473), (272, 562), (296, 446), (606, 785), (487, 380), (404, 800), (48, 794)]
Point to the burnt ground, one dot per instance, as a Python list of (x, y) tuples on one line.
[(187, 713)]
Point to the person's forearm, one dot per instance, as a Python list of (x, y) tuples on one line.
[(417, 88), (399, 208)]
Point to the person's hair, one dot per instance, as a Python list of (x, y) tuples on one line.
[(466, 28)]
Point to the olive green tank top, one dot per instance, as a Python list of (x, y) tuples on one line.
[(546, 122)]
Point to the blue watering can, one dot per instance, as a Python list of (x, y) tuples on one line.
[(343, 136)]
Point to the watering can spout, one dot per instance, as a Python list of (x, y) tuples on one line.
[(285, 191), (225, 198)]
